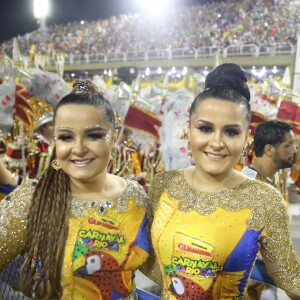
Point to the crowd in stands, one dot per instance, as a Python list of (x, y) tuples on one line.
[(216, 24)]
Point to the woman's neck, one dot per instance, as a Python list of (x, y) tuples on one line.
[(94, 187), (205, 182)]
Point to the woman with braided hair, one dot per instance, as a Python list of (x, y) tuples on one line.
[(82, 231)]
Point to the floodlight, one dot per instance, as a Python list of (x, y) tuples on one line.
[(40, 8), (154, 6)]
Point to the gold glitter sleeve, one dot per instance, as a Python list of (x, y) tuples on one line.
[(158, 186), (151, 267), (13, 213), (277, 248)]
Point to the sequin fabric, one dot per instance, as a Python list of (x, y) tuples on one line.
[(122, 245), (80, 208), (232, 225), (13, 213), (107, 241)]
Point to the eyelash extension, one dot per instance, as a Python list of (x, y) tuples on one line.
[(208, 129), (92, 135), (232, 132), (204, 128), (62, 137), (102, 136)]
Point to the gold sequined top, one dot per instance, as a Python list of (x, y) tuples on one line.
[(206, 243), (106, 243), (13, 214)]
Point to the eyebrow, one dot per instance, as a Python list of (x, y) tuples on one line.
[(95, 127), (87, 128), (63, 128), (211, 124)]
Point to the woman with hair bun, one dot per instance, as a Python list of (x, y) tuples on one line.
[(209, 221), (81, 231)]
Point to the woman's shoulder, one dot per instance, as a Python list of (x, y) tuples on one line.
[(171, 182), (23, 191), (260, 191), (15, 207), (135, 187), (134, 190), (166, 177), (263, 187)]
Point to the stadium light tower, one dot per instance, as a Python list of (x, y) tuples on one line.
[(41, 11)]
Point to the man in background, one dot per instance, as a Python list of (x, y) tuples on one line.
[(275, 149), (38, 148), (39, 155)]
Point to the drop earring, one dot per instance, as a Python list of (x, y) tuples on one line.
[(189, 151), (55, 165)]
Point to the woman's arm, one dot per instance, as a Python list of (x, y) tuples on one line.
[(277, 248), (5, 175), (151, 267), (13, 223)]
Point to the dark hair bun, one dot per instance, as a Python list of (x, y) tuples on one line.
[(230, 76)]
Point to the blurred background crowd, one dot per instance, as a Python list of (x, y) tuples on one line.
[(215, 24)]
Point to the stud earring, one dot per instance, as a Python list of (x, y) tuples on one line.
[(55, 165)]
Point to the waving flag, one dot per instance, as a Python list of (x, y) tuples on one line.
[(142, 120)]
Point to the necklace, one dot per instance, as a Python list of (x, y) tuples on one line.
[(101, 206), (219, 186)]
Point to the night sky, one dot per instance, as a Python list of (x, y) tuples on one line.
[(16, 16)]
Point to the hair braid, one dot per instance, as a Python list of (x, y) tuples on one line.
[(47, 232), (48, 217)]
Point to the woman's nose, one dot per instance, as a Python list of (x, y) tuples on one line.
[(216, 141), (79, 147)]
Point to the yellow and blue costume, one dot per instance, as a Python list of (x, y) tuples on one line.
[(107, 241), (206, 243), (5, 189)]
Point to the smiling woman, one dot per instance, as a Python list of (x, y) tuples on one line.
[(209, 220), (81, 230), (83, 147)]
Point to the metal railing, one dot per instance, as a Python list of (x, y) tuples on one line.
[(183, 53)]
